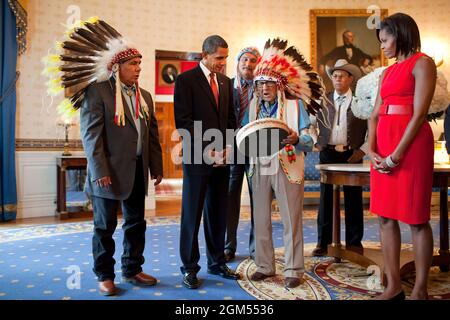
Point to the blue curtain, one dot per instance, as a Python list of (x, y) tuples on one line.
[(8, 60)]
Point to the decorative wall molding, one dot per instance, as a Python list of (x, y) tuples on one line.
[(46, 144), (36, 183)]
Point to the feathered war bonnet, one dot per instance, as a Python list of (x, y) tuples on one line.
[(90, 53), (293, 75)]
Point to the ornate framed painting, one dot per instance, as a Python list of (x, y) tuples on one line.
[(346, 34)]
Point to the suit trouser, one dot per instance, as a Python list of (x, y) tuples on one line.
[(354, 221), (207, 194), (290, 202), (134, 226), (237, 173)]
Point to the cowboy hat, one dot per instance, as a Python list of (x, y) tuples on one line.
[(342, 64)]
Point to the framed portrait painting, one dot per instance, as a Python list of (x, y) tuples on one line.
[(168, 65), (348, 34)]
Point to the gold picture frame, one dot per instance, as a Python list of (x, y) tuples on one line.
[(327, 27)]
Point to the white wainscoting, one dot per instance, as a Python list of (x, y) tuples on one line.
[(36, 184)]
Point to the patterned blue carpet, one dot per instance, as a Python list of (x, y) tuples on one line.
[(41, 262)]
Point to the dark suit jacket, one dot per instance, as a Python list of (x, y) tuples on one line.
[(356, 128), (341, 53), (236, 101), (194, 101), (110, 149)]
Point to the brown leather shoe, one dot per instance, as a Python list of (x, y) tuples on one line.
[(259, 276), (292, 282), (319, 251), (107, 288), (141, 279)]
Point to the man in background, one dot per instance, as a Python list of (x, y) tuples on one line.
[(243, 89), (343, 141)]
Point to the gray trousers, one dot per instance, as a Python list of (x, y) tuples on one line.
[(290, 202)]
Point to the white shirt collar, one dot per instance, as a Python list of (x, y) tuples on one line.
[(348, 94), (125, 87), (206, 71)]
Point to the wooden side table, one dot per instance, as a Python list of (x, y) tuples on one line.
[(64, 163), (359, 175)]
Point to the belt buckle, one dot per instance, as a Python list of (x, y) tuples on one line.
[(339, 148)]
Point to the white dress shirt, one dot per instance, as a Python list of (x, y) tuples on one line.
[(339, 128), (349, 52), (207, 73)]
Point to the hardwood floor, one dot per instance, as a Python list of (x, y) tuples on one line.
[(167, 206)]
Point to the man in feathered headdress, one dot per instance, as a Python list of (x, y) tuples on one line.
[(282, 72), (120, 138), (243, 89)]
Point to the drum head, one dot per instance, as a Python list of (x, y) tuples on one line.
[(262, 142)]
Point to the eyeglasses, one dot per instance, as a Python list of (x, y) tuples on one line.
[(340, 76), (269, 84)]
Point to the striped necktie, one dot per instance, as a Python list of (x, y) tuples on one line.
[(243, 102)]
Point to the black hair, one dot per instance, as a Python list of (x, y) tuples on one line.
[(405, 31), (211, 44)]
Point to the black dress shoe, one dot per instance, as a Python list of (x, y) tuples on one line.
[(229, 256), (190, 280), (319, 251), (224, 272)]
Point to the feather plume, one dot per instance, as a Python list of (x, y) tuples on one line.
[(73, 58), (292, 73), (77, 37), (77, 48), (51, 60), (91, 37), (54, 87), (102, 71), (93, 19), (73, 82), (77, 67), (51, 71), (76, 75), (64, 106), (82, 59), (96, 28), (113, 32)]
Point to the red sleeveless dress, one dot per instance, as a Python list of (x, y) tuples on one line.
[(405, 193)]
